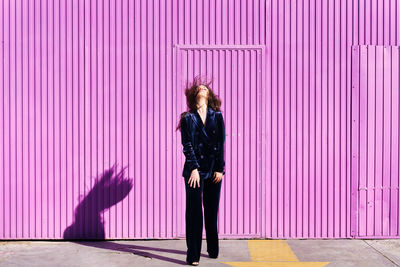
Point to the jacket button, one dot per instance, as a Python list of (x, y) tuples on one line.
[(201, 144), (201, 156), (213, 131)]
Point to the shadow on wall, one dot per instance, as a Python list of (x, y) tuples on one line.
[(109, 189)]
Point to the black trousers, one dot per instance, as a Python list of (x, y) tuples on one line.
[(209, 194)]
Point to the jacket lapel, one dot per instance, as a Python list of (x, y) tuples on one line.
[(199, 122)]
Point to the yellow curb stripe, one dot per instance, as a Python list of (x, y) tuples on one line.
[(271, 250)]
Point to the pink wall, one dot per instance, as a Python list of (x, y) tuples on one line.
[(308, 167), (87, 84)]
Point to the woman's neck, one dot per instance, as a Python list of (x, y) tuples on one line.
[(201, 105)]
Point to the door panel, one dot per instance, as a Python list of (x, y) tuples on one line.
[(375, 141), (237, 80)]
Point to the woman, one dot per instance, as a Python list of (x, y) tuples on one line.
[(203, 137)]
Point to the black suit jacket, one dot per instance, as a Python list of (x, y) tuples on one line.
[(203, 145)]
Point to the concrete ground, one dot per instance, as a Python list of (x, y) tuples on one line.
[(249, 252)]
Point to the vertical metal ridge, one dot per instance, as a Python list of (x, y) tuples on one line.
[(2, 182)]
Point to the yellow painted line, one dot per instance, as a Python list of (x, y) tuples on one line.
[(276, 264), (275, 253), (270, 250)]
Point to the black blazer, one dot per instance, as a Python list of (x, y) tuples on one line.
[(203, 145)]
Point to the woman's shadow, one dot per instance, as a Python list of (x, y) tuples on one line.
[(108, 190)]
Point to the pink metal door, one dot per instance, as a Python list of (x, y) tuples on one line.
[(375, 141), (237, 73)]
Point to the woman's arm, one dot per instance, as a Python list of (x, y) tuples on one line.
[(220, 160), (187, 146)]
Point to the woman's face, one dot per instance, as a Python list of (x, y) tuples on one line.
[(202, 91)]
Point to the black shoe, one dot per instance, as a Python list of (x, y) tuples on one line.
[(212, 256)]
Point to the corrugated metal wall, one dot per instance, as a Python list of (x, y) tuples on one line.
[(308, 178), (86, 84), (375, 136)]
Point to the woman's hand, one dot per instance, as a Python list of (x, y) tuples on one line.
[(194, 178), (217, 177)]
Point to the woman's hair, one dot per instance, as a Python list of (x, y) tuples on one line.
[(191, 90)]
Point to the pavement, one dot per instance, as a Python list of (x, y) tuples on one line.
[(233, 252)]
